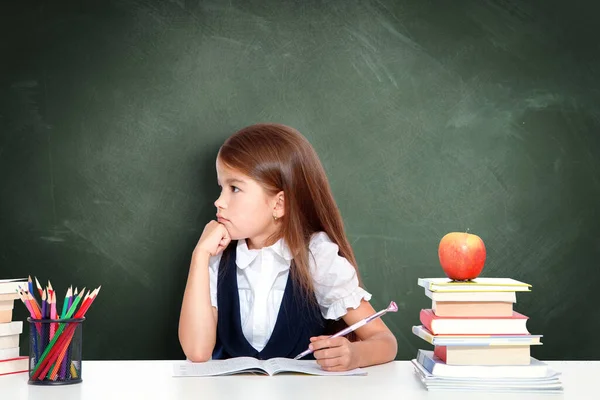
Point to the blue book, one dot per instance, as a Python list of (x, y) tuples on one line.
[(438, 368)]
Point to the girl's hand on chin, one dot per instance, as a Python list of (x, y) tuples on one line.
[(214, 239)]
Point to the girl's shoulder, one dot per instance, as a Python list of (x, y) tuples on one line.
[(335, 279), (324, 255), (318, 239)]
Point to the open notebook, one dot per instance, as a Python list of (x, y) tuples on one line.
[(240, 365)]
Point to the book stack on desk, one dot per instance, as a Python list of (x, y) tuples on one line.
[(10, 360), (479, 341)]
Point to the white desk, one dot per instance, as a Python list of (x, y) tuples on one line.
[(152, 380)]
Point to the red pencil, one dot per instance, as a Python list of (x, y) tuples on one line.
[(81, 312), (39, 287)]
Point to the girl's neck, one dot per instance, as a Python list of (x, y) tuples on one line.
[(257, 243)]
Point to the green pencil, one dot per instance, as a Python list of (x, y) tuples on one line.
[(66, 303)]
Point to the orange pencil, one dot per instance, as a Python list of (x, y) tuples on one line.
[(59, 361), (34, 305)]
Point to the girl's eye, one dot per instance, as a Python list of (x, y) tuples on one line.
[(235, 189)]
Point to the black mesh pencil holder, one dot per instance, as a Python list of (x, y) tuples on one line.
[(55, 347)]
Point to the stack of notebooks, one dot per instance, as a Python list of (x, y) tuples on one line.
[(11, 362), (479, 342)]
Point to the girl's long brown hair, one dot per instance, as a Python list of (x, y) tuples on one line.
[(281, 159)]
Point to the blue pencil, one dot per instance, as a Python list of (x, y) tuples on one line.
[(30, 284)]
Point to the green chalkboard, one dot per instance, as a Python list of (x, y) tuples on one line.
[(429, 117)]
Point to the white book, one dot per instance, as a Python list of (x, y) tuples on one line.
[(11, 352), (240, 365), (505, 297), (475, 285), (11, 328), (10, 286), (438, 368), (546, 384), (475, 340), (15, 365), (6, 342)]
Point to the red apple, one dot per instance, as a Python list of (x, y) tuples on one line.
[(462, 255)]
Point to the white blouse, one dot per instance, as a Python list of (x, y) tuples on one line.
[(262, 275)]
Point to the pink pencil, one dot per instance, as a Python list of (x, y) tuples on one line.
[(26, 302), (53, 314)]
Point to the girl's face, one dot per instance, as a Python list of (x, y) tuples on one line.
[(244, 208)]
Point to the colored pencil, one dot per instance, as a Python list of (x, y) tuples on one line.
[(56, 336), (45, 332), (53, 314), (30, 284), (52, 343), (34, 305), (32, 313), (44, 304), (63, 351), (50, 368), (73, 371), (61, 348), (39, 287), (89, 299), (66, 304)]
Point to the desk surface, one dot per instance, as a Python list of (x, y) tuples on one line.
[(152, 380)]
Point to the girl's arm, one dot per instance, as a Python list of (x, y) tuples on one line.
[(198, 318), (376, 344)]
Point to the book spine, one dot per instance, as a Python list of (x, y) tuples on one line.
[(426, 362), (426, 319)]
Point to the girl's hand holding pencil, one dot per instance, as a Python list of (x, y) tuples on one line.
[(53, 334)]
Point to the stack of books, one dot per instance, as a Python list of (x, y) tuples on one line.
[(11, 362), (480, 343)]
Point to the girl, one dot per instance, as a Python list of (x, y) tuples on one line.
[(275, 270)]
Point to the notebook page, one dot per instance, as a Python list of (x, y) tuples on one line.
[(216, 367), (311, 367)]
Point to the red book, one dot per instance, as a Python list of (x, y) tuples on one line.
[(440, 352), (513, 325)]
